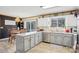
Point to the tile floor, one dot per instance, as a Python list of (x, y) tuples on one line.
[(50, 48), (4, 47), (40, 48)]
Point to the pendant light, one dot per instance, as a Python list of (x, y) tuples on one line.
[(17, 19)]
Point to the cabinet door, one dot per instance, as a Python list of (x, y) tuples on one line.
[(32, 41), (67, 40), (58, 38), (19, 43), (27, 43), (47, 37), (44, 37), (52, 38), (40, 36), (36, 39)]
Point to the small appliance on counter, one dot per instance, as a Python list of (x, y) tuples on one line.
[(67, 30), (71, 30), (74, 29)]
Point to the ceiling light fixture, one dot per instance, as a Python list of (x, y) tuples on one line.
[(46, 7)]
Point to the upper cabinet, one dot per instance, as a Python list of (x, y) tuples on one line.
[(71, 20), (44, 22)]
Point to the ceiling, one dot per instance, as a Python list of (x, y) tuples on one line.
[(27, 11)]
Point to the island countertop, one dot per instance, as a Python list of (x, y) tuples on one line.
[(27, 33)]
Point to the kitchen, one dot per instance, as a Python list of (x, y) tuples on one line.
[(51, 30)]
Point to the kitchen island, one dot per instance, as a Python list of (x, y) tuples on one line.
[(26, 41)]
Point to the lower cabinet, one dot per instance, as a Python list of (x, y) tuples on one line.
[(68, 40), (32, 37), (65, 39), (57, 38), (27, 43), (46, 37), (20, 44), (36, 39), (39, 37), (52, 38), (24, 43)]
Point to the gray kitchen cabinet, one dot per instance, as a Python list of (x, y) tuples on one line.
[(46, 37), (52, 38), (36, 39), (39, 37), (57, 38), (27, 43), (22, 43), (32, 37), (68, 40), (65, 39), (19, 44)]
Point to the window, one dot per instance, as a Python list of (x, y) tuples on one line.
[(54, 23), (61, 22), (31, 26), (58, 22)]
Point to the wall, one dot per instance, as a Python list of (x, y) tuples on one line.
[(45, 23), (3, 18), (4, 29)]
